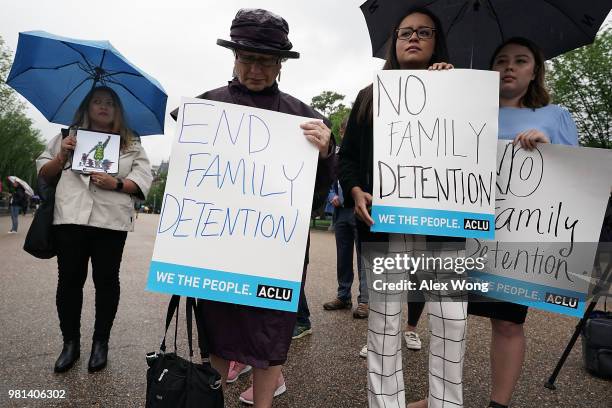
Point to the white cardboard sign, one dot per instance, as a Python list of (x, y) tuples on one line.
[(435, 141), (237, 204)]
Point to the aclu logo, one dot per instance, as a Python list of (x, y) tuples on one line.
[(475, 225), (561, 300), (274, 292)]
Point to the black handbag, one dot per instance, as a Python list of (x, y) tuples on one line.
[(39, 240), (174, 382), (597, 344)]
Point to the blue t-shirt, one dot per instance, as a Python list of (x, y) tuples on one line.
[(552, 120)]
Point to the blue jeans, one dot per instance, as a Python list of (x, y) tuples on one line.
[(15, 210), (346, 240)]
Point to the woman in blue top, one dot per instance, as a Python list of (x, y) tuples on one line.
[(526, 117)]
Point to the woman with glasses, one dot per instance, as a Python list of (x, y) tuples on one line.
[(417, 43), (254, 336)]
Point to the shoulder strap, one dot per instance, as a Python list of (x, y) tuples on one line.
[(173, 306)]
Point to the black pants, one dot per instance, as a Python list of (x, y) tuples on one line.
[(76, 245)]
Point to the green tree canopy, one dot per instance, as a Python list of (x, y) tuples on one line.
[(20, 141), (330, 104), (580, 81)]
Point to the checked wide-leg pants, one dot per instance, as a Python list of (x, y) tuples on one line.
[(447, 316)]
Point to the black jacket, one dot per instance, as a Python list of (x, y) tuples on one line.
[(19, 197)]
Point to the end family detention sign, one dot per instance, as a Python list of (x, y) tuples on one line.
[(435, 148), (236, 209)]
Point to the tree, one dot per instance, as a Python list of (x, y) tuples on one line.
[(327, 102), (156, 193), (580, 81), (8, 99), (330, 104), (20, 141)]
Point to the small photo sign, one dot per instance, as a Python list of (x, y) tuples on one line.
[(96, 152)]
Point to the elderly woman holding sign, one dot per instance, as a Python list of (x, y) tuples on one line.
[(417, 42), (255, 336)]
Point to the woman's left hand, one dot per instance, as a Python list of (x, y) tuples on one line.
[(103, 180), (440, 66), (319, 135)]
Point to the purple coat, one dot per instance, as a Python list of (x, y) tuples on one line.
[(255, 336)]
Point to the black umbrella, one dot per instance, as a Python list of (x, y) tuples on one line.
[(474, 28)]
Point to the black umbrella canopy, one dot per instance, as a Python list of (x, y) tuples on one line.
[(474, 28)]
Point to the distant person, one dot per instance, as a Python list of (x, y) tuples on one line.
[(17, 203), (345, 231), (92, 216)]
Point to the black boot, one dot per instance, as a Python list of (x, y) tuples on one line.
[(69, 355), (99, 354)]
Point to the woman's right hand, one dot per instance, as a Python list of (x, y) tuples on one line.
[(530, 138), (362, 201), (68, 145), (440, 66)]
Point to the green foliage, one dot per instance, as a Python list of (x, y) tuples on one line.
[(21, 143), (327, 102), (156, 193), (580, 81), (336, 119), (330, 104)]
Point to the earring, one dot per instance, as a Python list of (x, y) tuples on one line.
[(279, 75)]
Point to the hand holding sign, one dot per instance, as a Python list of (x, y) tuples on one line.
[(68, 145), (319, 135), (530, 138)]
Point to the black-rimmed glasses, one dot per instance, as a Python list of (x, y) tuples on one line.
[(423, 33), (262, 61)]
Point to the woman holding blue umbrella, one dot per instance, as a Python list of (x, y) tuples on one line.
[(92, 215)]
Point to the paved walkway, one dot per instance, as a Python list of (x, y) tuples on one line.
[(324, 370)]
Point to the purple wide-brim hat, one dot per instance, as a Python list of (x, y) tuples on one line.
[(261, 31)]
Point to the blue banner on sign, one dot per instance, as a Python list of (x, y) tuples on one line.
[(422, 221), (223, 286), (542, 297)]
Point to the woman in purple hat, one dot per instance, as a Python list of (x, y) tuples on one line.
[(254, 336)]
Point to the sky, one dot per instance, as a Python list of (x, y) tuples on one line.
[(175, 42)]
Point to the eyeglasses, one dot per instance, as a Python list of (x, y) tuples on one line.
[(423, 33), (262, 61)]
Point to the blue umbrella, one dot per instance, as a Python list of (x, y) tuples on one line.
[(55, 74)]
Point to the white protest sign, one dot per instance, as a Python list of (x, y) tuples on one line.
[(550, 204), (435, 138), (236, 209)]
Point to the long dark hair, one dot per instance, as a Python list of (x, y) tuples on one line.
[(537, 95), (440, 54), (81, 116)]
